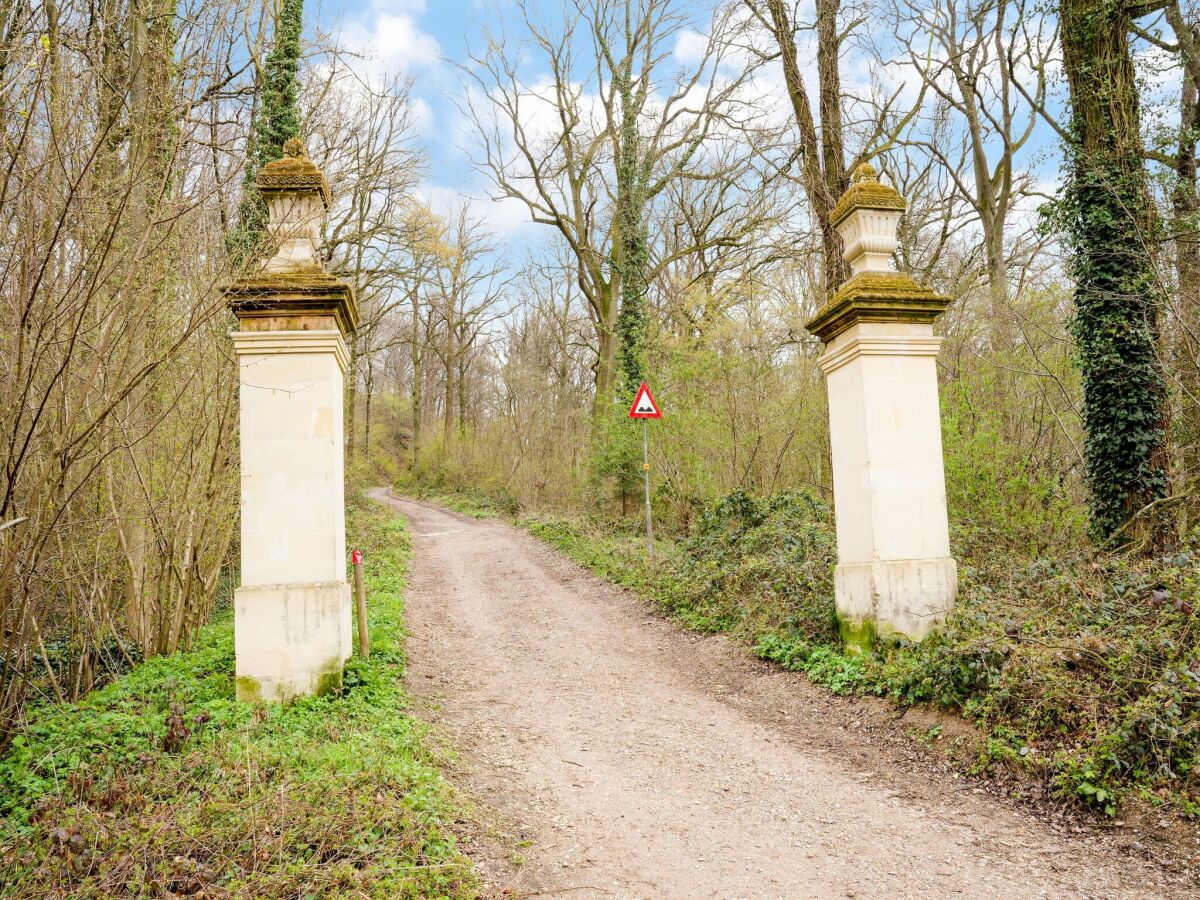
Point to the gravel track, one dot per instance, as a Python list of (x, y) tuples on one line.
[(612, 754)]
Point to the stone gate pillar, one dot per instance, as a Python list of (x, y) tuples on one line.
[(895, 574), (292, 611)]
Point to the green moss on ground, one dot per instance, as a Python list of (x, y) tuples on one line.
[(162, 784)]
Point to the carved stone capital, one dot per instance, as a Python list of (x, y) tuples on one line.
[(867, 217), (292, 291), (876, 297)]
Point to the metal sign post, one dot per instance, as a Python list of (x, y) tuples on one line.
[(645, 408), (646, 472)]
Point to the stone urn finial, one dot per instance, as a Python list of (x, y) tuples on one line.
[(867, 217), (292, 287), (297, 195), (864, 172)]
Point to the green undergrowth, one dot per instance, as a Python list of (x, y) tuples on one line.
[(1082, 670), (737, 570), (161, 784), (474, 502)]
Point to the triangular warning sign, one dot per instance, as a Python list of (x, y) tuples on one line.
[(644, 406)]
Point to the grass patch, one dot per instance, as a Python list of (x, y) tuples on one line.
[(162, 784), (478, 503)]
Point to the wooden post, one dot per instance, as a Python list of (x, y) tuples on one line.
[(360, 602)]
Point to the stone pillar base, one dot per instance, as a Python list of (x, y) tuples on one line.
[(291, 640), (899, 597)]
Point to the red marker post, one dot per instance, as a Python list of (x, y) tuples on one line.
[(645, 408), (360, 601)]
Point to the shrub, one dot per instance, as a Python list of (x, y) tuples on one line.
[(1091, 661), (761, 563)]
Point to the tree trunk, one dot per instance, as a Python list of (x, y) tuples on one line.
[(997, 274), (417, 374), (632, 257), (1117, 300), (829, 76), (416, 411), (462, 399), (823, 188), (370, 384), (351, 401), (448, 394), (1186, 209), (1186, 227), (606, 352)]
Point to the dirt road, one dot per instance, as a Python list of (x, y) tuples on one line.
[(624, 757)]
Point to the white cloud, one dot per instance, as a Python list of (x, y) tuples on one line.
[(399, 40), (508, 218), (389, 33)]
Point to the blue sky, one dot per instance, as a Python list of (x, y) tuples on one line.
[(424, 38)]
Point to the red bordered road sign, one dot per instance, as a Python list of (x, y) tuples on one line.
[(644, 406)]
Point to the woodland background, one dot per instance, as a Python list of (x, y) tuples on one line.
[(683, 200)]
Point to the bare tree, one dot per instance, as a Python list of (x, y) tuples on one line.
[(115, 388), (822, 128), (981, 60), (470, 282), (609, 131)]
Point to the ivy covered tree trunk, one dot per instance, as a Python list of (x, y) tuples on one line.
[(631, 263), (277, 122), (633, 256), (1110, 233)]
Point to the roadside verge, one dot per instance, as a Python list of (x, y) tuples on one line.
[(161, 784)]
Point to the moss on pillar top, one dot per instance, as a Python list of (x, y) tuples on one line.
[(876, 297), (293, 283), (867, 217), (866, 192), (300, 295)]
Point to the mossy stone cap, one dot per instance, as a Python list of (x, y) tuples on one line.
[(293, 291), (876, 297), (866, 192), (302, 294), (292, 174), (875, 292)]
